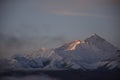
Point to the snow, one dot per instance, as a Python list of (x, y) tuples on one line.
[(73, 45), (91, 53)]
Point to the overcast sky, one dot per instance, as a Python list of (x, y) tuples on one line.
[(54, 22)]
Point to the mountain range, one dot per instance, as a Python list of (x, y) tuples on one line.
[(90, 54)]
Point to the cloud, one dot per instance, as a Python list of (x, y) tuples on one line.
[(88, 8), (85, 14), (10, 44)]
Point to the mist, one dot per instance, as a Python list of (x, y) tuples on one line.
[(10, 44), (28, 25)]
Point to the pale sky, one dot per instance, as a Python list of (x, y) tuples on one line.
[(51, 23)]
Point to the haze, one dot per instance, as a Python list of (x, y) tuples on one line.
[(26, 25)]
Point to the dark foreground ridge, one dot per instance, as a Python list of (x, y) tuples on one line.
[(67, 74)]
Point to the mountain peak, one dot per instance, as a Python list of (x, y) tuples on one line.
[(94, 38), (93, 41), (72, 45)]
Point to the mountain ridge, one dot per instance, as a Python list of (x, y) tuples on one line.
[(91, 53)]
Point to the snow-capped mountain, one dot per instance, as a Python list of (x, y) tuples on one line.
[(91, 53)]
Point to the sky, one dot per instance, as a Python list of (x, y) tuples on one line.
[(32, 24)]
